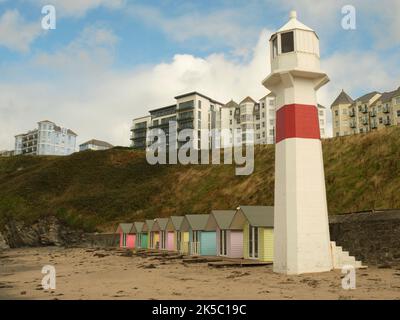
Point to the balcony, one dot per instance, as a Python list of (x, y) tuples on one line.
[(364, 120), (386, 121), (188, 105), (353, 124), (386, 109), (364, 109), (373, 113), (374, 124), (352, 113), (186, 116)]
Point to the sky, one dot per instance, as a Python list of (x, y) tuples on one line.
[(109, 61)]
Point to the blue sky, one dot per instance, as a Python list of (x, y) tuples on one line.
[(109, 61)]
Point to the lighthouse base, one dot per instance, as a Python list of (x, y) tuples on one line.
[(301, 227)]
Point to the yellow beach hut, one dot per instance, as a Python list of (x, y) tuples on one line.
[(257, 223), (159, 227)]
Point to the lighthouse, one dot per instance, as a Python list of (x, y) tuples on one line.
[(301, 227)]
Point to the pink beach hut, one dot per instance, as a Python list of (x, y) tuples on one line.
[(229, 240), (127, 235)]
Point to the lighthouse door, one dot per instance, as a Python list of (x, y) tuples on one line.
[(253, 242)]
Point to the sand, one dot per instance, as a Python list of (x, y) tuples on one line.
[(84, 273)]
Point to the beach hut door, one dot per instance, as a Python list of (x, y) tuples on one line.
[(253, 242), (124, 239), (223, 242), (178, 240)]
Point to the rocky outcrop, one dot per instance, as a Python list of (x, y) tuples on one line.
[(3, 243), (45, 232)]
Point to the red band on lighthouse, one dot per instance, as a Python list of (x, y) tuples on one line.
[(297, 121)]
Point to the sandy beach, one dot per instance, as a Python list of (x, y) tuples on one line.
[(83, 273)]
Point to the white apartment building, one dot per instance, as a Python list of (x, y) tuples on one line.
[(47, 139), (256, 120), (192, 111), (95, 145)]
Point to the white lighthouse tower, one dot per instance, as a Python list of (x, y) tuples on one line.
[(301, 228)]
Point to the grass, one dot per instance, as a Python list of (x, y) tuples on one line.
[(96, 190)]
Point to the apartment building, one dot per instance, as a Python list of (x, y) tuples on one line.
[(95, 145), (249, 121), (46, 139), (192, 111), (371, 111)]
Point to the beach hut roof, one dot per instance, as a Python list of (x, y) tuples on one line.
[(126, 228), (160, 224), (148, 225), (221, 219), (174, 223), (257, 216), (138, 226), (194, 222)]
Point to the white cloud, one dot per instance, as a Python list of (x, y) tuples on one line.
[(90, 52), (15, 33), (222, 27), (78, 8)]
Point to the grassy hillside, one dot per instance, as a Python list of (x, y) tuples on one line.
[(98, 189)]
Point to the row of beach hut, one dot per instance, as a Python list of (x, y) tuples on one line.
[(246, 232)]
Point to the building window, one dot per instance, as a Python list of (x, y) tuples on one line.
[(321, 113), (287, 42), (230, 122), (344, 111), (274, 47), (199, 104), (336, 112), (263, 124), (398, 113), (380, 120), (230, 112), (398, 100)]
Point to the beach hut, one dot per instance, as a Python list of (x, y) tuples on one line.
[(257, 223), (229, 241), (152, 237), (141, 237), (160, 226), (174, 226), (201, 242), (127, 235)]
